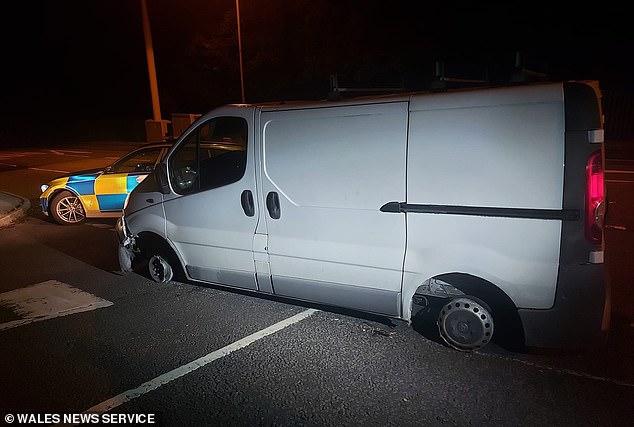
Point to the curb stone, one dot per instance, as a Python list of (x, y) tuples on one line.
[(16, 212)]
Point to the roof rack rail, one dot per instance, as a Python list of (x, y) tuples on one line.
[(336, 91)]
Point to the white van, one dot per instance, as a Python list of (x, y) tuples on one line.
[(486, 203)]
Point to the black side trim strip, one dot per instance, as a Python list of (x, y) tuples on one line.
[(558, 214), (393, 207)]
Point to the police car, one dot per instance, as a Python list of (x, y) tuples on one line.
[(99, 193)]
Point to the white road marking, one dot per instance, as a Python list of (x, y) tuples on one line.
[(47, 300), (48, 170), (167, 377), (10, 154), (70, 152)]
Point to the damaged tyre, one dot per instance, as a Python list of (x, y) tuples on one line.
[(465, 324), (160, 269), (162, 263)]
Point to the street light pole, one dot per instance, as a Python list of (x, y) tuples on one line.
[(240, 50), (149, 51)]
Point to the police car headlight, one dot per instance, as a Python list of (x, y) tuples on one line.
[(44, 188)]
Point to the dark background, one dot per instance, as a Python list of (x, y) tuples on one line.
[(77, 69)]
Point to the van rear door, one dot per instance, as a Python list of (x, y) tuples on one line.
[(326, 173)]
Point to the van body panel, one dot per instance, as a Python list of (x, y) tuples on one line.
[(582, 302), (239, 278), (519, 255), (340, 157), (361, 298), (495, 151), (475, 98), (211, 234), (209, 228), (149, 218), (491, 156), (333, 169)]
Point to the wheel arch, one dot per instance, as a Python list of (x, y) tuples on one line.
[(56, 191), (509, 327)]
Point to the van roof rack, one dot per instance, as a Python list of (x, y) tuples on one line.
[(337, 92)]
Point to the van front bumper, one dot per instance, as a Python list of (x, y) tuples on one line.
[(122, 230), (126, 250)]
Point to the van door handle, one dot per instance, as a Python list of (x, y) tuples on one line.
[(273, 204), (246, 198)]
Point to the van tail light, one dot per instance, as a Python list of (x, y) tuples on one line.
[(595, 206)]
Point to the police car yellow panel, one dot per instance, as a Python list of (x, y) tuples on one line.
[(100, 192)]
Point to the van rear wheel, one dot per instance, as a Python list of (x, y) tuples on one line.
[(465, 323)]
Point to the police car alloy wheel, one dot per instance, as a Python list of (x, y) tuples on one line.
[(66, 209)]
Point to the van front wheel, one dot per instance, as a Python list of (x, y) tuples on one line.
[(160, 270), (465, 323), (157, 259)]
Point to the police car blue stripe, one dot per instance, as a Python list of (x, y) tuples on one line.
[(84, 188), (111, 202), (131, 182), (83, 184)]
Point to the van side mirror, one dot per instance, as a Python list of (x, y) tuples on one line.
[(161, 178)]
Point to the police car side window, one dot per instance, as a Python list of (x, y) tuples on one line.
[(141, 161)]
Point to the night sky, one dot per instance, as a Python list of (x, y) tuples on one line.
[(86, 59)]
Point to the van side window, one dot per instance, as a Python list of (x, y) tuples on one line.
[(212, 156)]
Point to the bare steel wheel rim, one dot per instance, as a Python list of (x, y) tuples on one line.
[(70, 210), (160, 270), (465, 324)]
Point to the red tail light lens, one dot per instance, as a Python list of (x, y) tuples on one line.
[(594, 198)]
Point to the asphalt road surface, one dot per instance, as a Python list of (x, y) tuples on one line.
[(183, 354)]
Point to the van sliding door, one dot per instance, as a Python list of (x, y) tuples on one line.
[(326, 173)]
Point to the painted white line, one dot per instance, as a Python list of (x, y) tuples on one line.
[(66, 152), (47, 300), (20, 153), (76, 151), (49, 170), (167, 377)]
